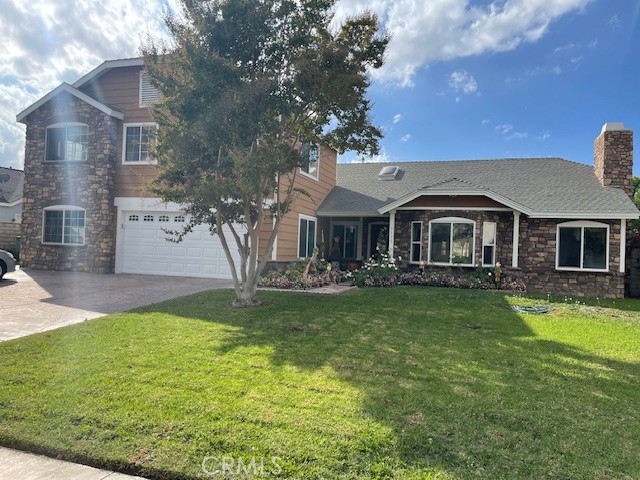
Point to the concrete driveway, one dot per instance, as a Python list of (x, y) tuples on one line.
[(37, 300)]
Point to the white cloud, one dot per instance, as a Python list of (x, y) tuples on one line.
[(544, 135), (397, 117), (509, 133), (426, 31), (405, 138), (504, 129), (382, 157), (461, 81), (46, 43), (484, 122), (614, 22)]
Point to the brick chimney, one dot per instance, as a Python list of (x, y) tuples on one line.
[(613, 157)]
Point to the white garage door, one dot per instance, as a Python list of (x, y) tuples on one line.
[(147, 251)]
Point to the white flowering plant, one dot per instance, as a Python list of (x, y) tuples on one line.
[(380, 272)]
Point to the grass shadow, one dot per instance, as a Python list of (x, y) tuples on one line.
[(409, 382)]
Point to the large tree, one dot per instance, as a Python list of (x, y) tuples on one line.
[(244, 83)]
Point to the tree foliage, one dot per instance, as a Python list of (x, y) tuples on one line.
[(243, 85)]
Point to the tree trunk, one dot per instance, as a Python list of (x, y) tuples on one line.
[(246, 297)]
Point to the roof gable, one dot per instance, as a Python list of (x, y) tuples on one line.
[(105, 67), (65, 87)]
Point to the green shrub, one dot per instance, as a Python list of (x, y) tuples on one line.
[(377, 273)]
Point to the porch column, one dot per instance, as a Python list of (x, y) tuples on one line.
[(623, 244), (392, 231), (516, 239)]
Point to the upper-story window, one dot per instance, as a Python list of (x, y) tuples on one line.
[(311, 153), (148, 93), (67, 142), (137, 142)]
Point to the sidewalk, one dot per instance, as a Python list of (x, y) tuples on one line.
[(16, 465)]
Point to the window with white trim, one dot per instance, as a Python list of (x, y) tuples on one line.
[(137, 140), (451, 241), (147, 218), (582, 245), (67, 142), (310, 152), (63, 225), (306, 236), (163, 218), (133, 218), (416, 242), (489, 231), (148, 92), (179, 219)]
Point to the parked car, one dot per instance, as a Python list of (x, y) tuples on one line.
[(7, 263)]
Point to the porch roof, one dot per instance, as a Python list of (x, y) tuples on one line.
[(538, 187)]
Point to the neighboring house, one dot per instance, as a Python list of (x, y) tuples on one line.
[(558, 225), (11, 183)]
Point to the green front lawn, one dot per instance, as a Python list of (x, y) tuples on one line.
[(375, 383)]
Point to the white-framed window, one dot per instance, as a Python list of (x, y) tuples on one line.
[(66, 142), (63, 225), (136, 143), (310, 152), (148, 93), (582, 245), (178, 219), (163, 218), (133, 218), (452, 241), (147, 218), (489, 232), (415, 255), (306, 235)]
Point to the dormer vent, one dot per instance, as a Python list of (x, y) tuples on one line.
[(389, 172)]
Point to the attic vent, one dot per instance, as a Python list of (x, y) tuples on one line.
[(388, 173), (148, 93)]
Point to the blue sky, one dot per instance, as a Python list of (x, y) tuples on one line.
[(545, 98), (464, 79)]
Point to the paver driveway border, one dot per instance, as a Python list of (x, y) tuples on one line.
[(34, 301)]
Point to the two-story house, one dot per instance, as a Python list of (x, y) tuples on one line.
[(559, 225)]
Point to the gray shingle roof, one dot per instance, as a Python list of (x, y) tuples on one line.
[(11, 189), (541, 186)]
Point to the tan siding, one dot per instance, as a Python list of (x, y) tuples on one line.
[(119, 89), (317, 190)]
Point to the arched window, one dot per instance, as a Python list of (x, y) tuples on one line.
[(452, 241)]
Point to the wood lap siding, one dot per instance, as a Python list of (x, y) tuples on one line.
[(318, 190), (119, 89)]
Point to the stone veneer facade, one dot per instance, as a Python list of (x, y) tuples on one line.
[(89, 185), (537, 252), (613, 159)]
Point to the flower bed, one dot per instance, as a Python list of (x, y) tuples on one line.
[(293, 278)]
